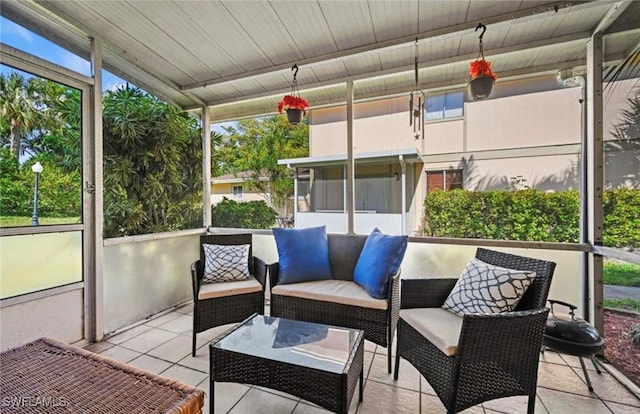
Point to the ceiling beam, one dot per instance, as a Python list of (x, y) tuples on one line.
[(267, 108), (439, 33), (612, 15), (399, 70)]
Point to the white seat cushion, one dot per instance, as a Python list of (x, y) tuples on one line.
[(217, 290), (439, 326), (336, 291)]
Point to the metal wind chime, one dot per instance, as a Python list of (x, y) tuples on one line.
[(416, 104)]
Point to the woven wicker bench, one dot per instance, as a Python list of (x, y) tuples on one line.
[(378, 318), (48, 376)]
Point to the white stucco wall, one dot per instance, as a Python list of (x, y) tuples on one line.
[(60, 317), (529, 128), (446, 260), (144, 277)]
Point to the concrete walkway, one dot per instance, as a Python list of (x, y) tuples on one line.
[(621, 292)]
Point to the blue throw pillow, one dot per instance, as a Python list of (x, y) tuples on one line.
[(303, 254), (379, 260)]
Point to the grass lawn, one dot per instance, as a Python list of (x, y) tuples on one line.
[(629, 304), (621, 274), (18, 221)]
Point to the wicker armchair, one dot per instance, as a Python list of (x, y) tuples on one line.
[(379, 325), (496, 355), (231, 302)]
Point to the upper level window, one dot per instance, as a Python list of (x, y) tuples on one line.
[(448, 105), (237, 191)]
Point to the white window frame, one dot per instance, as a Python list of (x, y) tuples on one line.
[(237, 191), (443, 111)]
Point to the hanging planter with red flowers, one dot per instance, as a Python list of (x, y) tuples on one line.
[(482, 77), (295, 106)]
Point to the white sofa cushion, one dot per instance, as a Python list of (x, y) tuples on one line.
[(217, 290), (441, 327), (337, 291)]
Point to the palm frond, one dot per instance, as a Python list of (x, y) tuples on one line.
[(629, 68)]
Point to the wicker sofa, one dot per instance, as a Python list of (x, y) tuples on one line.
[(339, 301)]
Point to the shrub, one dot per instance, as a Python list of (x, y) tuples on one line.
[(505, 215), (529, 214), (622, 218), (247, 215)]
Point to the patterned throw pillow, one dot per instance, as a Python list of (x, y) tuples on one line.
[(225, 263), (485, 288)]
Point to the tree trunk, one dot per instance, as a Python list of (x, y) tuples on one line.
[(15, 139)]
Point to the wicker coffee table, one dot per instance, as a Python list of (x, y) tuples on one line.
[(46, 376), (318, 363)]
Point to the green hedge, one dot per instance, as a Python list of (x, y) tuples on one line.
[(531, 215), (246, 215), (622, 218)]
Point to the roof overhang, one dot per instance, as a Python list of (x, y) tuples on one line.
[(409, 156), (236, 180)]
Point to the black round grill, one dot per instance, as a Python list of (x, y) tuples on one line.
[(567, 334)]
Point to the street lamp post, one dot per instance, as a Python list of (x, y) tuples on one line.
[(37, 169)]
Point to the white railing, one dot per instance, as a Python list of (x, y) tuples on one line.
[(365, 221), (144, 275)]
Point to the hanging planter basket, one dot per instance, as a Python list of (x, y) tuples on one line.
[(294, 116), (293, 104), (482, 76), (480, 88)]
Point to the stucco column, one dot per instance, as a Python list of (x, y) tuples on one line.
[(350, 163), (403, 182), (93, 210), (206, 166), (595, 175)]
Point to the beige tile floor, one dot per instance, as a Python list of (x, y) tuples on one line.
[(163, 345)]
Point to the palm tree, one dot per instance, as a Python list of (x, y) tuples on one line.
[(626, 134), (152, 173), (21, 106), (626, 69), (255, 145)]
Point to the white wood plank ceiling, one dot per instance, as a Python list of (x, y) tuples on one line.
[(236, 56)]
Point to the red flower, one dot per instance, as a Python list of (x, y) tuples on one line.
[(481, 68), (293, 102)]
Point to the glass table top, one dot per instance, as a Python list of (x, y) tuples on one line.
[(306, 344)]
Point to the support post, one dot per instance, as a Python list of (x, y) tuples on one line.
[(351, 170), (595, 175), (295, 193), (403, 182), (93, 205), (206, 166)]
